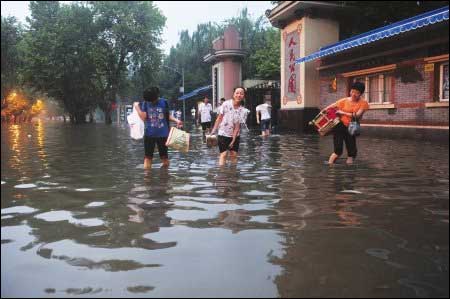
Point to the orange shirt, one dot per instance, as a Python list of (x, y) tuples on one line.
[(349, 106)]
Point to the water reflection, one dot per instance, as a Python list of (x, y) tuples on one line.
[(279, 223)]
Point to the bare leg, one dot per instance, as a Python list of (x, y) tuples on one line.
[(165, 162), (147, 163), (233, 157), (222, 158), (350, 160), (332, 158)]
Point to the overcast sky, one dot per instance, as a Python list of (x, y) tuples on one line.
[(181, 15)]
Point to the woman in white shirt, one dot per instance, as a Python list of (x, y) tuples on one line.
[(228, 123)]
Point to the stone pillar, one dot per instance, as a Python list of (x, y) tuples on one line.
[(300, 83), (226, 61)]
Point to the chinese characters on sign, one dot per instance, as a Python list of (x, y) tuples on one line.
[(292, 70)]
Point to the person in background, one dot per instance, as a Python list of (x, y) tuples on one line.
[(155, 114), (265, 111), (204, 116), (178, 114), (193, 112), (228, 125), (222, 100), (353, 106)]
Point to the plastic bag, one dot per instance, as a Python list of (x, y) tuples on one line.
[(211, 140), (178, 139), (137, 126), (354, 128)]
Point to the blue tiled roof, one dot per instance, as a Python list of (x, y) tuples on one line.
[(195, 92), (409, 24)]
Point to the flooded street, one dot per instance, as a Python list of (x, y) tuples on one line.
[(80, 216)]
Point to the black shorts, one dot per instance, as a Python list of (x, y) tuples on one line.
[(341, 136), (265, 124), (206, 125), (149, 146), (224, 144)]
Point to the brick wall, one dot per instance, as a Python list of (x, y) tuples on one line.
[(326, 96), (409, 100)]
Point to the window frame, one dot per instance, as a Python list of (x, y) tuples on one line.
[(381, 87), (441, 81)]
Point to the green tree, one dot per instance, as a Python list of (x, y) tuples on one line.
[(59, 53), (261, 43), (129, 34), (267, 59), (188, 55), (11, 61)]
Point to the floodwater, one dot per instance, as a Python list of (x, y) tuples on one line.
[(81, 217)]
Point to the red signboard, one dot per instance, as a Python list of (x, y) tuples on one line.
[(292, 70)]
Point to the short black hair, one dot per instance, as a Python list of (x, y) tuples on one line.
[(240, 87), (359, 86), (151, 94)]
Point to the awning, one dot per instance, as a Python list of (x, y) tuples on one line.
[(406, 25), (195, 92)]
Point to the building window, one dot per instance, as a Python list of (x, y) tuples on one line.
[(378, 88), (443, 82)]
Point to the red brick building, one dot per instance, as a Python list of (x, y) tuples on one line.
[(406, 76), (403, 65)]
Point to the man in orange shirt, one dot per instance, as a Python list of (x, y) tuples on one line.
[(354, 106)]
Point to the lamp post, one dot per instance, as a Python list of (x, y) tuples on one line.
[(181, 88)]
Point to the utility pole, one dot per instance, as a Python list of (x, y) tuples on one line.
[(184, 100), (181, 88)]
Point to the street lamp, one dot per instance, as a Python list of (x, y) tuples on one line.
[(181, 88)]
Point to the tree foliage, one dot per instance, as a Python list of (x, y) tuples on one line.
[(86, 54), (11, 61), (129, 37)]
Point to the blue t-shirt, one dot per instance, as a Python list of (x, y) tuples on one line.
[(156, 123)]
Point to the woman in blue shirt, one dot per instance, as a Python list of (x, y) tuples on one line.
[(155, 113)]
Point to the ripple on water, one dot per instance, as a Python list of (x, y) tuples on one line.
[(55, 216), (259, 193), (19, 210), (52, 188), (83, 189), (351, 191), (378, 253), (95, 204), (25, 186), (208, 199)]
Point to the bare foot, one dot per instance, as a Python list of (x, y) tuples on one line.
[(165, 163), (332, 158)]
